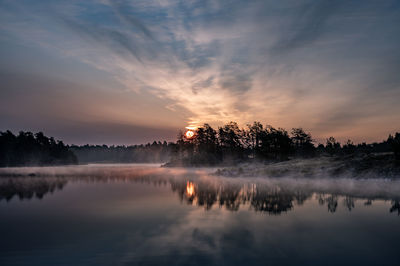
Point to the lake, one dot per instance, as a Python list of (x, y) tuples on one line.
[(148, 215)]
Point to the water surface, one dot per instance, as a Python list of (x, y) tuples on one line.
[(147, 215)]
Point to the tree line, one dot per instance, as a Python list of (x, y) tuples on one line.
[(156, 152), (28, 149), (227, 144), (231, 144), (36, 149)]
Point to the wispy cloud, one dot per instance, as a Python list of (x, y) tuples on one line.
[(309, 63)]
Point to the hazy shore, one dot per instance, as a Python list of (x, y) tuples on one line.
[(380, 165)]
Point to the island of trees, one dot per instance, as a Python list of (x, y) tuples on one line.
[(230, 144)]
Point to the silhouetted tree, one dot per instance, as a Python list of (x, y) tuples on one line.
[(303, 142), (230, 139), (332, 146), (206, 140), (206, 146), (253, 138), (349, 147), (395, 144), (275, 143)]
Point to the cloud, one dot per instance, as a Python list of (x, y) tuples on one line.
[(295, 63), (79, 113), (308, 22), (122, 10)]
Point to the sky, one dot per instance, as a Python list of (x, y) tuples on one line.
[(130, 72)]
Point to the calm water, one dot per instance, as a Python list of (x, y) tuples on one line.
[(146, 215)]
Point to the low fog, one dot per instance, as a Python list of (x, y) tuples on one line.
[(206, 187)]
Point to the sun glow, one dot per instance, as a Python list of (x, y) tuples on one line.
[(189, 134)]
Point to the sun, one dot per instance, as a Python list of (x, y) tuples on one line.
[(189, 134)]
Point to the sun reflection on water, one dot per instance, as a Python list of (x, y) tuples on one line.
[(190, 189)]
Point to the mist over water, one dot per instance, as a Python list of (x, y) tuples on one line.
[(147, 215)]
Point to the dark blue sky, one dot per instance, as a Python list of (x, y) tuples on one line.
[(132, 71)]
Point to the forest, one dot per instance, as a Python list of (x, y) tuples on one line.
[(156, 152), (28, 149), (230, 144), (226, 145)]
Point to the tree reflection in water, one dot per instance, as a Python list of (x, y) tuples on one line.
[(330, 200), (264, 197), (269, 199), (29, 187), (395, 207)]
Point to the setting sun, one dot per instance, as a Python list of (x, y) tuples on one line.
[(189, 134), (172, 132)]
